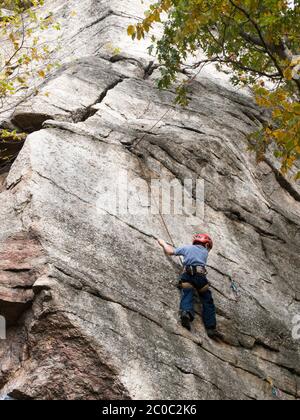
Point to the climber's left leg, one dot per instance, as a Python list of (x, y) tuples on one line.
[(187, 312)]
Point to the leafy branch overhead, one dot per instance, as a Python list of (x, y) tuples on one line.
[(24, 57), (24, 62), (257, 39)]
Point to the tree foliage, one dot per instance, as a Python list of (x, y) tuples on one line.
[(24, 61), (257, 39)]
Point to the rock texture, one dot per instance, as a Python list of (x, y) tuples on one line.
[(90, 300)]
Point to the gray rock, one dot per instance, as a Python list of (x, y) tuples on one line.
[(102, 318)]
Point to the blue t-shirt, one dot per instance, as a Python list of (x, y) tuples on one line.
[(195, 255)]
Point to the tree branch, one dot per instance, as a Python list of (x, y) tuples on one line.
[(227, 60), (260, 35)]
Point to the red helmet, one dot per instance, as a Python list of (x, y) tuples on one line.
[(202, 239)]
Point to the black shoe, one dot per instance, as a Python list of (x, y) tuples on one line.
[(214, 334), (186, 320)]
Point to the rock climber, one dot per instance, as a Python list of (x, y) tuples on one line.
[(194, 279)]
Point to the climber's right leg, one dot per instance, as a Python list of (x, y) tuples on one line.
[(209, 315), (187, 312), (209, 310)]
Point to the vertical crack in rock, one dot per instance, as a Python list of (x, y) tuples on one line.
[(89, 112), (283, 182)]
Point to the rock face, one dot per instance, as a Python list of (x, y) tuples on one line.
[(90, 300)]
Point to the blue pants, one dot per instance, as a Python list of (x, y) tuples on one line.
[(187, 300)]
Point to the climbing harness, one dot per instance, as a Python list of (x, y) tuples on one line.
[(193, 270), (187, 285)]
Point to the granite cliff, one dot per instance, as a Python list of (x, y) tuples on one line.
[(90, 301)]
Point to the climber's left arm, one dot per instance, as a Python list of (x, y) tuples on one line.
[(169, 250)]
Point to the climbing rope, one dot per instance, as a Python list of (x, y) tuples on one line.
[(148, 180), (131, 148), (134, 145), (138, 141), (164, 223), (141, 163)]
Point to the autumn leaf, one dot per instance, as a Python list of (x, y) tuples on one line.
[(24, 55), (131, 30), (42, 74), (260, 45)]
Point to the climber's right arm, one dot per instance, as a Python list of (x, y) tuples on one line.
[(169, 250)]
